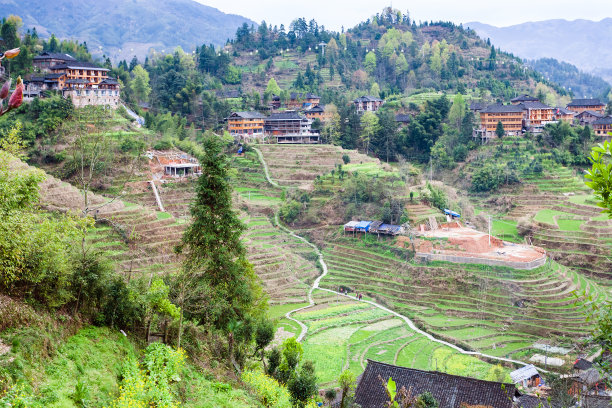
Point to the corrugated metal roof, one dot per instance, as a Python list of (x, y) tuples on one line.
[(523, 373), (351, 224)]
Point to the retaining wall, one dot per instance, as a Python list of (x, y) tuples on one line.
[(481, 261)]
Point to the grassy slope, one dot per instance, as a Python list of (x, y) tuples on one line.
[(94, 356)]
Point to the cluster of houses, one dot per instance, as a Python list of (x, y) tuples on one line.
[(293, 125), (527, 114), (453, 391), (85, 83)]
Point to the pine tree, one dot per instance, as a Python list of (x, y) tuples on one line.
[(499, 131), (217, 285)]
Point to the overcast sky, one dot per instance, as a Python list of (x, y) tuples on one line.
[(333, 14)]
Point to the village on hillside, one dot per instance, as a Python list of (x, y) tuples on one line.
[(211, 247)]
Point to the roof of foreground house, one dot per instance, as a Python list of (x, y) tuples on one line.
[(503, 109), (451, 391)]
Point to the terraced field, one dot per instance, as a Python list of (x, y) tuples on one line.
[(344, 333), (575, 233), (298, 165), (286, 265), (138, 239), (497, 311)]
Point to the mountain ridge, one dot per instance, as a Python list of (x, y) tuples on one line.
[(121, 29), (574, 41)]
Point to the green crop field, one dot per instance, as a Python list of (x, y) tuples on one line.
[(341, 340)]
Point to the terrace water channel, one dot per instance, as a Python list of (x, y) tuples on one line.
[(316, 283)]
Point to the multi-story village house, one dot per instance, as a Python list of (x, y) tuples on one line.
[(367, 104), (603, 126), (511, 117), (290, 127), (85, 83), (246, 125), (581, 105)]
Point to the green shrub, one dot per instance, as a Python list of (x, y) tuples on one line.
[(269, 392), (346, 159), (163, 144)]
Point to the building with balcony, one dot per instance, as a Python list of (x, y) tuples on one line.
[(536, 115), (84, 82), (290, 127), (603, 127), (511, 117), (246, 125), (367, 104)]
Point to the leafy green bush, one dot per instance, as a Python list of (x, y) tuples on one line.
[(163, 144), (149, 384), (268, 390), (290, 211)]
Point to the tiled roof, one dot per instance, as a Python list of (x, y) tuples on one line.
[(54, 55), (367, 98), (477, 106), (503, 109), (603, 121), (403, 117), (77, 81), (582, 364), (590, 401), (450, 391), (287, 115), (78, 65), (535, 105), (109, 81), (586, 102), (524, 98), (54, 76), (591, 113), (316, 109), (248, 115), (564, 111)]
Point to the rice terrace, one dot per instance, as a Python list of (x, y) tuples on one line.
[(360, 208)]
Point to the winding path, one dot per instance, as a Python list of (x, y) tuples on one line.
[(316, 283)]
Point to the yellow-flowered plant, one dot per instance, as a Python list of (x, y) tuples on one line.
[(267, 389), (148, 384)]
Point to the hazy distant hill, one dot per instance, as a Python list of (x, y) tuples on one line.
[(127, 27), (583, 43)]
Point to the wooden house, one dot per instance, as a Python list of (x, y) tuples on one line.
[(523, 98), (511, 117), (46, 60), (603, 126), (303, 100), (564, 115), (592, 104), (536, 115), (290, 127), (246, 125), (450, 391), (367, 104), (588, 117), (317, 112)]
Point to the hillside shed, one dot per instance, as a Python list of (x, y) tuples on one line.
[(528, 376), (350, 226), (363, 226)]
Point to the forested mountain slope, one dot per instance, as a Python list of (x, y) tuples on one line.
[(127, 28)]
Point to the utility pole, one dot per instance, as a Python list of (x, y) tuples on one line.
[(489, 231), (430, 170)]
